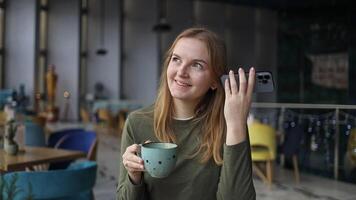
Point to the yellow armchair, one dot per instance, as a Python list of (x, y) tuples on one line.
[(351, 146), (84, 115), (105, 116), (2, 118), (350, 156), (263, 149)]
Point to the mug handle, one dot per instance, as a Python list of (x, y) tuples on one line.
[(139, 153)]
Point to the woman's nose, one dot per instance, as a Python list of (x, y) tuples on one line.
[(183, 70)]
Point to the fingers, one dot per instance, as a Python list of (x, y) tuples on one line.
[(242, 81), (133, 149), (251, 81), (243, 86), (133, 167), (131, 161), (227, 88), (233, 84)]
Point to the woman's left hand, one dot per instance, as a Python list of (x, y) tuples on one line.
[(237, 105)]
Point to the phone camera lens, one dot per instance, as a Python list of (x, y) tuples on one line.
[(260, 77), (267, 77)]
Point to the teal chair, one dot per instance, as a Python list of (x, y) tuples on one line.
[(34, 135), (5, 94), (74, 183)]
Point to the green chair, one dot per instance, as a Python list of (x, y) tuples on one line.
[(74, 183)]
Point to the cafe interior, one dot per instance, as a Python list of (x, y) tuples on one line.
[(71, 71)]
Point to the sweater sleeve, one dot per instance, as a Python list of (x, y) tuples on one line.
[(126, 190), (236, 173)]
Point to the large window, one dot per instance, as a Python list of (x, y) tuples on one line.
[(314, 55)]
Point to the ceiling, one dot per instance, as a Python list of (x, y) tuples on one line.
[(291, 4)]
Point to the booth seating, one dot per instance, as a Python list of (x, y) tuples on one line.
[(74, 183)]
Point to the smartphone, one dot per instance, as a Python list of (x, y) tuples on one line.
[(264, 81)]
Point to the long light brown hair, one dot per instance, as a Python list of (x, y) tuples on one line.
[(210, 110)]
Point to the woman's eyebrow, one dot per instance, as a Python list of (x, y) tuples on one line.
[(195, 60), (200, 60), (173, 54)]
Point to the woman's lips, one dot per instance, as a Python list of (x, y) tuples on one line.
[(180, 83)]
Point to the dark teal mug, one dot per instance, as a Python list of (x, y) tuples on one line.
[(159, 158)]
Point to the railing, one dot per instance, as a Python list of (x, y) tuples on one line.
[(335, 107)]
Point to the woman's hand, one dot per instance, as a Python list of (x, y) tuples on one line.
[(237, 105), (133, 163)]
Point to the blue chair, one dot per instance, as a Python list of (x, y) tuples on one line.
[(4, 95), (85, 141), (34, 135), (56, 136), (74, 183)]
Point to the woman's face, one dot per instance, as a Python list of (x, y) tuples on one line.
[(189, 73)]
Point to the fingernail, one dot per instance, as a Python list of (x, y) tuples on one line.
[(252, 69), (240, 69)]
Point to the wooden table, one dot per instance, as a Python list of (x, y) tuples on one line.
[(59, 126), (30, 156), (115, 106)]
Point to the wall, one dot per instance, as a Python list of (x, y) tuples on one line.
[(63, 48), (251, 38), (105, 68), (250, 35), (20, 44), (140, 61), (63, 51)]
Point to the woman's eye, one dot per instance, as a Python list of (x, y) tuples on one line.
[(198, 66), (175, 59)]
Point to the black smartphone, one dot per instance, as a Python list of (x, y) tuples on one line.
[(264, 81)]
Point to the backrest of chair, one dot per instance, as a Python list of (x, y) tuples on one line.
[(263, 135), (56, 136), (4, 95), (104, 114), (81, 141), (351, 144), (62, 184), (85, 141), (34, 134), (292, 139), (2, 118)]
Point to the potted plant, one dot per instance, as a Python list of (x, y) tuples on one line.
[(10, 145)]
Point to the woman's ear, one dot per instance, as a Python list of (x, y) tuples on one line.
[(213, 87)]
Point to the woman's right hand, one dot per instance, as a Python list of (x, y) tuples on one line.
[(133, 163)]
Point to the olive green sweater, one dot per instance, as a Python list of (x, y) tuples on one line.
[(190, 180)]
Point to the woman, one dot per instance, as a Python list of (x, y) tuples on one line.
[(205, 118)]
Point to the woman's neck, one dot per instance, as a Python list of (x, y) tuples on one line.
[(183, 110)]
